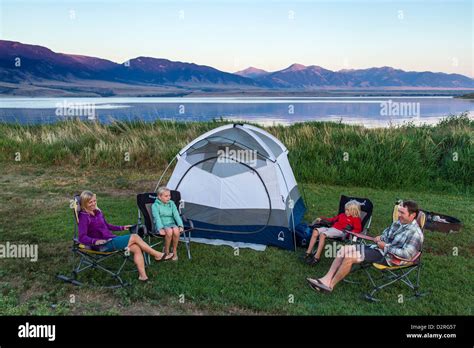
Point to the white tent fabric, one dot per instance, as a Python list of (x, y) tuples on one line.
[(221, 190)]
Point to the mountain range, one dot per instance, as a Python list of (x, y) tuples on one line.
[(24, 64), (313, 76)]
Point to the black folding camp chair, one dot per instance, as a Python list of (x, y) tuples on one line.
[(366, 209), (85, 258), (145, 222), (401, 270)]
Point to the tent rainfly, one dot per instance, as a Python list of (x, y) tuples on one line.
[(237, 185)]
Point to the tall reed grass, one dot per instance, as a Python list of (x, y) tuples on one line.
[(436, 157)]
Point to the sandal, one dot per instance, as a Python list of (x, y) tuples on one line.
[(168, 257), (312, 261), (311, 283), (162, 258), (321, 287)]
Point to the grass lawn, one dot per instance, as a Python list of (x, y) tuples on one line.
[(34, 208)]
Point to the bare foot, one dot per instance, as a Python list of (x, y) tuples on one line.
[(143, 279), (169, 256), (324, 282), (175, 257)]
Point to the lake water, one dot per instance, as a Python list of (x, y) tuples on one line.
[(367, 111)]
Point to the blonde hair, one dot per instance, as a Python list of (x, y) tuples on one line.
[(354, 208), (85, 197), (162, 190)]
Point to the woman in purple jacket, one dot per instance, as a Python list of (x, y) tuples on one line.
[(94, 231)]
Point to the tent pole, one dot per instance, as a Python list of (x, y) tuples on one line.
[(292, 215), (246, 165), (163, 174)]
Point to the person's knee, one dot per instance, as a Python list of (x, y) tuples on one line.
[(169, 232), (348, 250), (134, 248), (176, 231), (315, 232), (349, 260), (134, 238)]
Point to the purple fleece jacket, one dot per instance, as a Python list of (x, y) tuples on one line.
[(94, 227)]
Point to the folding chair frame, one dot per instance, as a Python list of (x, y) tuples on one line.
[(347, 238), (91, 259), (149, 235), (393, 274), (148, 226)]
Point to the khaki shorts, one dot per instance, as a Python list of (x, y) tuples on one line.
[(330, 232)]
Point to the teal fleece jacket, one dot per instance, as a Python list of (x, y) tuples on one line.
[(165, 214)]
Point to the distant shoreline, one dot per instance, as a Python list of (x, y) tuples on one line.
[(100, 90), (466, 96), (362, 111)]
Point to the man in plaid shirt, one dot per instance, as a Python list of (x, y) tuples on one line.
[(403, 240), (398, 245)]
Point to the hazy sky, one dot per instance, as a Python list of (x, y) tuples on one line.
[(232, 35)]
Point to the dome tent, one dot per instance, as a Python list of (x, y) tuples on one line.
[(237, 185)]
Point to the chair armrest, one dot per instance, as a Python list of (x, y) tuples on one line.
[(406, 260), (150, 233), (361, 235), (190, 222)]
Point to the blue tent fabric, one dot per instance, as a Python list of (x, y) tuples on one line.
[(280, 237), (277, 236)]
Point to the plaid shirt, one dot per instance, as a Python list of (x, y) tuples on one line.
[(402, 240)]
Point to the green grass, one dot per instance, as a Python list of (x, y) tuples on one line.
[(435, 158), (431, 164), (34, 209)]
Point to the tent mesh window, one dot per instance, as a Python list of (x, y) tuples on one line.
[(223, 159)]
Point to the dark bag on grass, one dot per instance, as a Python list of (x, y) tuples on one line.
[(303, 234)]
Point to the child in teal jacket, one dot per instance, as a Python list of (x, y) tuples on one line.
[(167, 221)]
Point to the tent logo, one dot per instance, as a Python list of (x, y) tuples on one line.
[(242, 155), (281, 236)]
